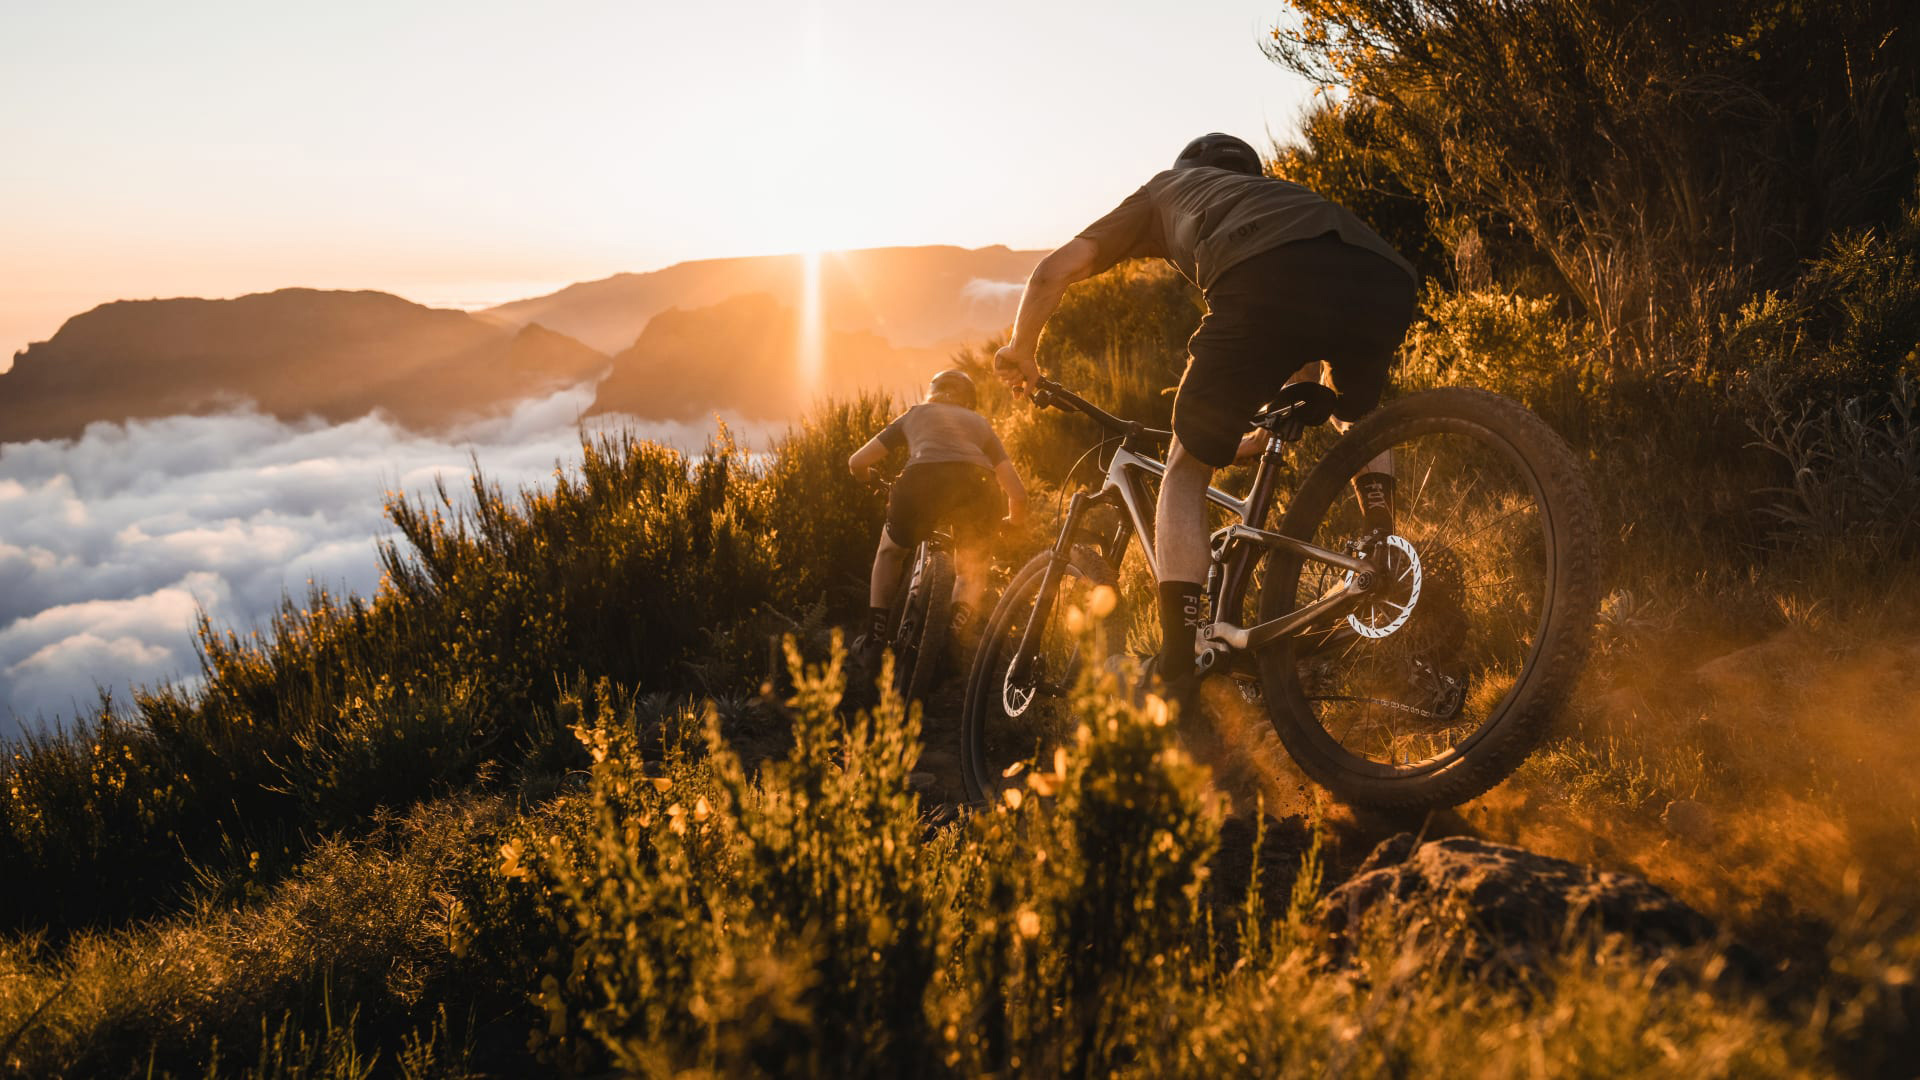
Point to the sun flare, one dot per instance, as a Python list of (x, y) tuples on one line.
[(811, 348)]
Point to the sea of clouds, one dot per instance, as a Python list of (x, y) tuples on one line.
[(110, 544)]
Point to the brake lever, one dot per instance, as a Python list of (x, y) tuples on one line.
[(1043, 394)]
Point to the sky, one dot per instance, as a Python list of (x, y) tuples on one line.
[(465, 153)]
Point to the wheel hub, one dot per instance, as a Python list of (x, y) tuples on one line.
[(1379, 616)]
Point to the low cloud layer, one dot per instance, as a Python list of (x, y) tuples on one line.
[(109, 544), (986, 290)]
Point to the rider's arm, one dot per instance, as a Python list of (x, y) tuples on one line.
[(1009, 478), (1069, 263), (867, 457), (1004, 471), (891, 438)]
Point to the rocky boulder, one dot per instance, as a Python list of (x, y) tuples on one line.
[(1490, 905)]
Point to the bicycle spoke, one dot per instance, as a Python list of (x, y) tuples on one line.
[(1463, 615), (1484, 527)]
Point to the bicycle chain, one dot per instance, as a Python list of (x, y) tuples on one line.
[(1425, 714)]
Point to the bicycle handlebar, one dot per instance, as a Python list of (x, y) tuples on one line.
[(1050, 394)]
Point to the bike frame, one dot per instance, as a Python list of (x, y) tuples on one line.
[(1235, 551)]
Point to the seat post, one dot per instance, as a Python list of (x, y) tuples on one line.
[(1239, 568)]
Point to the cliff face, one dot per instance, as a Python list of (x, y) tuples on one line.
[(717, 335), (915, 297), (295, 352), (746, 356)]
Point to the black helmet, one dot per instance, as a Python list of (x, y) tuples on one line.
[(953, 386), (1220, 151)]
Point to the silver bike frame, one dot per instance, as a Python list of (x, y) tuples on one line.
[(1120, 487)]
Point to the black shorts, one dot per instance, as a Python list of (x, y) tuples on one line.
[(1309, 300), (956, 493)]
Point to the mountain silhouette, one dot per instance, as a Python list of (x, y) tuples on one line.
[(744, 355), (715, 335), (916, 297), (292, 353)]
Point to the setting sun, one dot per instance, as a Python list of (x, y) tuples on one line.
[(439, 151)]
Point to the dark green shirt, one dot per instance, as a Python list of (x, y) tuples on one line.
[(1204, 220)]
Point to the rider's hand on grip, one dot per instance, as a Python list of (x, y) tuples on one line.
[(1016, 369)]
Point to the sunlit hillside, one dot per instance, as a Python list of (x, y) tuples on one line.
[(914, 297), (585, 786), (750, 356)]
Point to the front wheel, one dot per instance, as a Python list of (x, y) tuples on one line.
[(1444, 677), (1008, 720)]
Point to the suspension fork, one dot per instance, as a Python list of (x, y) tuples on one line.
[(1057, 556)]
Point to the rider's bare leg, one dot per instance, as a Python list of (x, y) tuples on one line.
[(1373, 485), (887, 560), (1180, 535)]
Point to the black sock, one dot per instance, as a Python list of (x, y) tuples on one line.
[(1182, 608), (962, 615), (1375, 491), (876, 626)]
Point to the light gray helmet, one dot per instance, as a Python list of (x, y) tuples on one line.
[(953, 386)]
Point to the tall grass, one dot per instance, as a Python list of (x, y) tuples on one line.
[(640, 564)]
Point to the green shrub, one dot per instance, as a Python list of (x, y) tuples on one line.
[(348, 959), (640, 565), (1854, 486), (1519, 346), (1666, 161), (1119, 340), (1849, 327), (822, 522), (1087, 899), (746, 925)]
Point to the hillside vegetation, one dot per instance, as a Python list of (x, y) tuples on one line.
[(552, 801)]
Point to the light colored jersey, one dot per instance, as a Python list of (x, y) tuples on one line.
[(936, 431)]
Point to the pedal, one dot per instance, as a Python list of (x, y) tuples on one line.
[(1209, 658)]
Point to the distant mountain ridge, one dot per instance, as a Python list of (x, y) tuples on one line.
[(292, 353), (743, 356), (914, 297), (715, 335)]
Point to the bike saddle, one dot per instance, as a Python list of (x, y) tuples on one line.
[(1297, 407)]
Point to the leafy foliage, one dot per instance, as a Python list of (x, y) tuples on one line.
[(640, 565), (1664, 158)]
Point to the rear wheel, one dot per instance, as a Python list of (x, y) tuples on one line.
[(1006, 721), (920, 640), (1437, 684)]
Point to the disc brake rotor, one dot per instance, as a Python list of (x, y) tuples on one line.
[(1378, 617)]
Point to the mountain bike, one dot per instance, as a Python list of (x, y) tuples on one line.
[(1406, 669), (922, 609)]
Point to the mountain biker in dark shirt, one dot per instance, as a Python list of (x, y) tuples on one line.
[(953, 461), (1296, 287)]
